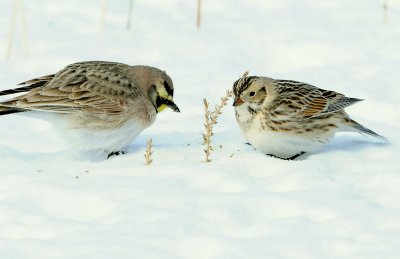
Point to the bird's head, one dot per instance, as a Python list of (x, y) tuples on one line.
[(161, 93), (250, 90)]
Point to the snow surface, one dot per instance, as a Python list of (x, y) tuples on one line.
[(340, 203)]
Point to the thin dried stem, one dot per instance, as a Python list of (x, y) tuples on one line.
[(207, 135), (130, 8), (385, 11), (211, 118), (149, 152), (198, 14), (18, 7), (12, 29), (103, 16)]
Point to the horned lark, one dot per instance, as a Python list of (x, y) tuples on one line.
[(286, 119), (102, 105)]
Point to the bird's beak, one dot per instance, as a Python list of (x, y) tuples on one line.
[(238, 101), (171, 105)]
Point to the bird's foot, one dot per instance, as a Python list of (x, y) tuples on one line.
[(288, 158), (116, 153), (249, 144)]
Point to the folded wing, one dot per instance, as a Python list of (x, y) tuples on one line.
[(303, 101), (82, 86)]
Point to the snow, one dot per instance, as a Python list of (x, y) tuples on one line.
[(340, 203)]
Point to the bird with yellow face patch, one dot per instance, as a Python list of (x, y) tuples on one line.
[(101, 106)]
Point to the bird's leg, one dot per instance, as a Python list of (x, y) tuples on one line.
[(289, 158), (116, 153), (249, 144), (296, 156)]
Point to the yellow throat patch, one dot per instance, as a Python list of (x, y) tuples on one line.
[(161, 107), (165, 95)]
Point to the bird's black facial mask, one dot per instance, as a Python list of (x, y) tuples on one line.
[(161, 97), (162, 103)]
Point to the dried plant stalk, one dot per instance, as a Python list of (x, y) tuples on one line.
[(211, 118), (207, 135), (103, 16), (128, 22), (12, 29), (149, 152), (198, 14), (385, 11), (17, 8)]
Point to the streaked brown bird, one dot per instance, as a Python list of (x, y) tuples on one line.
[(285, 118)]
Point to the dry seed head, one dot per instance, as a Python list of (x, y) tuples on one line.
[(149, 152), (211, 120)]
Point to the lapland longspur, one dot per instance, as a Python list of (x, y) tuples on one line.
[(103, 105), (286, 119)]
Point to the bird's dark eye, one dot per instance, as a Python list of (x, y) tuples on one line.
[(252, 93)]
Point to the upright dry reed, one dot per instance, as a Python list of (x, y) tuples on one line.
[(149, 152), (198, 14), (211, 118)]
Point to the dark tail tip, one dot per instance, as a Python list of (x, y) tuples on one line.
[(5, 110), (360, 128)]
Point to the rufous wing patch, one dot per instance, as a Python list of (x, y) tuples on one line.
[(315, 107)]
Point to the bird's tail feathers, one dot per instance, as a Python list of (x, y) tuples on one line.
[(4, 110), (16, 90), (28, 85), (355, 126)]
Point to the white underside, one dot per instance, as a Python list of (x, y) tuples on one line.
[(280, 144), (283, 145), (90, 140), (104, 140)]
